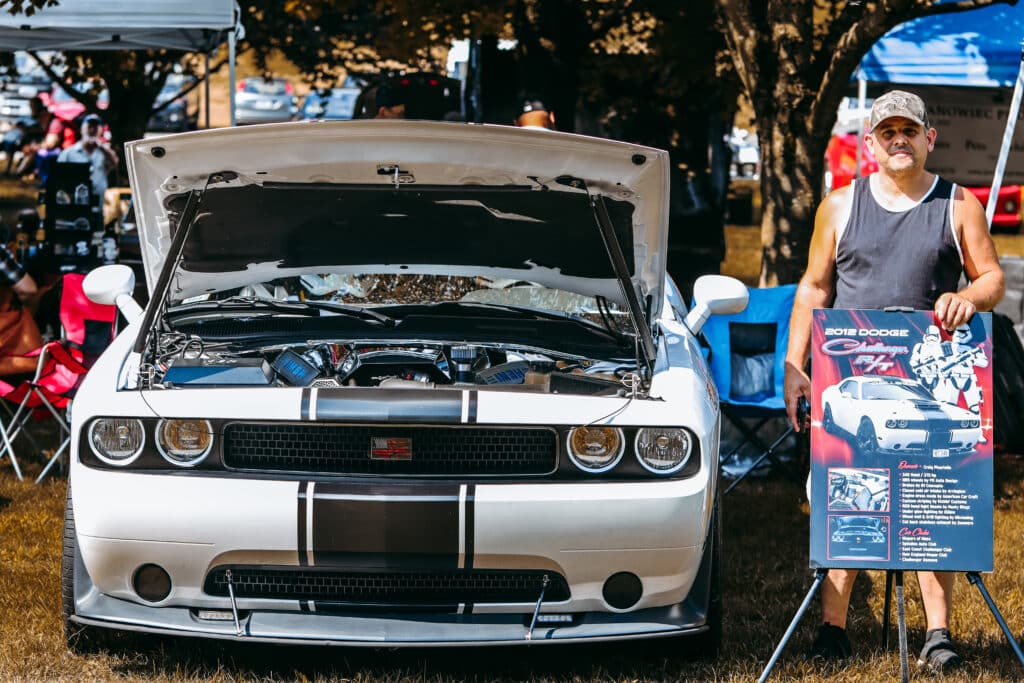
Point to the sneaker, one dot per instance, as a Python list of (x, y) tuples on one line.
[(938, 653), (831, 644)]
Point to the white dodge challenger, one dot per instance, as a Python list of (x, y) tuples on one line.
[(397, 384), (893, 415)]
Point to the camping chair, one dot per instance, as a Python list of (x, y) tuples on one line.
[(87, 329), (747, 362)]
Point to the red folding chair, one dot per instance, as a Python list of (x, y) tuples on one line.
[(87, 329)]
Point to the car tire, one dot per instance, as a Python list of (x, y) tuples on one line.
[(80, 639), (707, 645), (867, 441), (827, 421)]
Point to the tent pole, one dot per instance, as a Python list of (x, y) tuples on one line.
[(862, 91), (1004, 151), (231, 77), (206, 87)]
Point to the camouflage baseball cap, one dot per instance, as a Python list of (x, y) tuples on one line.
[(899, 103)]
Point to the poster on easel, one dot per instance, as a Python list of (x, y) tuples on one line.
[(901, 441)]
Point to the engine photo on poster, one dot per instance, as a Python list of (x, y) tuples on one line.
[(901, 441)]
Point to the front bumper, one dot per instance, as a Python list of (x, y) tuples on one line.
[(413, 630), (924, 441), (586, 532)]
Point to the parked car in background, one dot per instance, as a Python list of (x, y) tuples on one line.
[(265, 100), (19, 84), (332, 103), (427, 387), (177, 116), (63, 104), (14, 104)]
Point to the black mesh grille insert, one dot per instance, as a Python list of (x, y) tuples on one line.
[(345, 449), (388, 588)]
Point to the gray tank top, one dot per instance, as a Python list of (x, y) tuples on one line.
[(897, 258)]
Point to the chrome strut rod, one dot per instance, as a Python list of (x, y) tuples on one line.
[(234, 605), (536, 610)]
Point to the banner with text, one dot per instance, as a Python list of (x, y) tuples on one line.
[(901, 441), (970, 124)]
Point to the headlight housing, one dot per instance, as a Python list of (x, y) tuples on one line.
[(663, 450), (184, 442), (117, 440), (595, 449)]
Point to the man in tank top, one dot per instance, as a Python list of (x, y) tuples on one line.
[(899, 237)]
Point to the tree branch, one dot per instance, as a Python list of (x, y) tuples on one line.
[(740, 35)]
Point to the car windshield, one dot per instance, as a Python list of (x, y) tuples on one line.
[(378, 291), (60, 95), (261, 87), (895, 392)]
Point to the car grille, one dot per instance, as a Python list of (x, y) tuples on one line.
[(345, 449), (388, 588)]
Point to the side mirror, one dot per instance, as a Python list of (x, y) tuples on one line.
[(715, 295), (113, 286)]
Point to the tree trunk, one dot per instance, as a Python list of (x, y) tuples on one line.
[(127, 117), (792, 171)]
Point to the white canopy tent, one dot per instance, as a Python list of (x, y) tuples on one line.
[(190, 25)]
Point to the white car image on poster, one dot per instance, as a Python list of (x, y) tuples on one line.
[(901, 441), (893, 415)]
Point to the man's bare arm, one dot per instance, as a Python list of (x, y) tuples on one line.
[(981, 264), (815, 290)]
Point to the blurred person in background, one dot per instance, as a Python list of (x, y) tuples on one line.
[(92, 149), (536, 115), (390, 102)]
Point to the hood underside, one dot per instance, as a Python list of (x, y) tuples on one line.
[(402, 197)]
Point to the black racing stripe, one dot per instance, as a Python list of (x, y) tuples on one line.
[(470, 524), (301, 531), (303, 605), (471, 418), (410, 406), (417, 526), (304, 406)]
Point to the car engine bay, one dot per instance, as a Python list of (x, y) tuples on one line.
[(185, 361)]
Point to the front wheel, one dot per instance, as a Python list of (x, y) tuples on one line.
[(867, 442), (80, 639), (828, 422)]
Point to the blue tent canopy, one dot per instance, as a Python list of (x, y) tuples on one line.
[(979, 47)]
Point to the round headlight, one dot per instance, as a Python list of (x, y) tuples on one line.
[(663, 450), (595, 449), (117, 440), (184, 442)]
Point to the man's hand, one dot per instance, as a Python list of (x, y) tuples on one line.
[(795, 385), (953, 310)]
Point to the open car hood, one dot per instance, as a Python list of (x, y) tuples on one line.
[(403, 197)]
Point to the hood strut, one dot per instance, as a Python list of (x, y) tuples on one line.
[(159, 297), (646, 351)]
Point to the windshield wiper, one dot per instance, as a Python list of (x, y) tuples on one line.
[(251, 304), (523, 311)]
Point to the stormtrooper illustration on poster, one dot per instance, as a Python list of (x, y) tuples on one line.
[(901, 442)]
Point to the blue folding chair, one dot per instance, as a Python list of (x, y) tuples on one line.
[(747, 360)]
